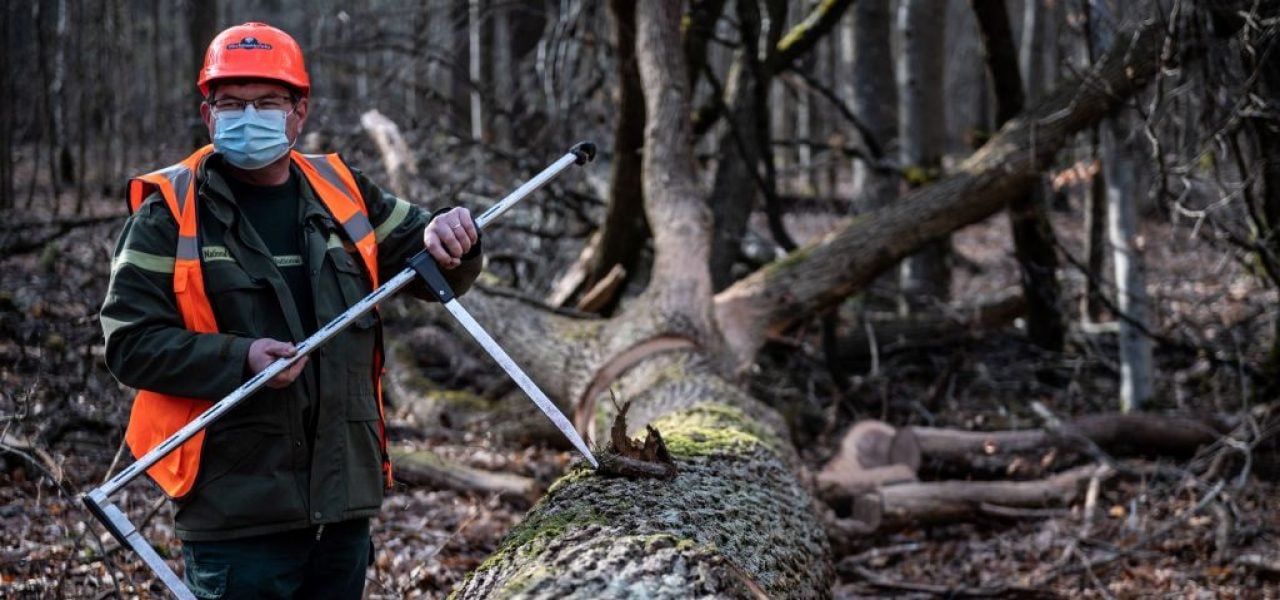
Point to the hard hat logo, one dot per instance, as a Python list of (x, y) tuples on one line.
[(249, 43)]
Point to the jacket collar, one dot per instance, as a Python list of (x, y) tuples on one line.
[(221, 203)]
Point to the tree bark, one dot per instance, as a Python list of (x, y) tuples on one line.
[(819, 275), (202, 25), (926, 277), (1033, 239), (475, 70), (1031, 49), (874, 97), (703, 15), (7, 121), (735, 187), (930, 503), (1122, 232), (621, 240), (1136, 376)]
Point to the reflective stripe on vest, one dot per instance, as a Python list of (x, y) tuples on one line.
[(155, 416)]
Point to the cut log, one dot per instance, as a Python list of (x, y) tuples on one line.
[(872, 454), (919, 504), (1021, 452)]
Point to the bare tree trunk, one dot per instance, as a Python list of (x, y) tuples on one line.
[(625, 229), (1032, 234), (474, 69), (202, 25), (159, 92), (1122, 232), (62, 147), (1031, 49), (1095, 202), (504, 75), (7, 121), (926, 276), (745, 164), (733, 193), (874, 97), (1095, 226), (1131, 293), (116, 147), (82, 113), (49, 59)]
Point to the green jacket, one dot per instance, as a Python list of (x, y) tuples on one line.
[(283, 459)]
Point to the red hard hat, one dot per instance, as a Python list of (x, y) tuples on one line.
[(254, 51)]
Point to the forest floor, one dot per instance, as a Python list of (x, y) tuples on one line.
[(1167, 535)]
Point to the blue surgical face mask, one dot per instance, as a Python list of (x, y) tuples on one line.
[(251, 139)]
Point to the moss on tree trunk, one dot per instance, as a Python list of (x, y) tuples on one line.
[(735, 522)]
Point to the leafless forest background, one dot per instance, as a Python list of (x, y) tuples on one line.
[(1112, 325)]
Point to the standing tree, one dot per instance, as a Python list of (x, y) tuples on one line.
[(1122, 232), (1033, 241), (926, 277), (874, 97)]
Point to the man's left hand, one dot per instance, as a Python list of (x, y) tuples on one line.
[(449, 236)]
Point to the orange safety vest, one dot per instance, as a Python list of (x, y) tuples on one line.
[(157, 416)]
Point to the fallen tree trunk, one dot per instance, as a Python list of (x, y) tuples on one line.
[(819, 275), (1132, 433), (735, 520)]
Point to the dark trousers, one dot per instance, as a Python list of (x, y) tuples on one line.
[(327, 561)]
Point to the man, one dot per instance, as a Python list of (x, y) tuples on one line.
[(230, 258)]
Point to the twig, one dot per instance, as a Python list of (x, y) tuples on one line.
[(1142, 543), (1270, 564), (20, 246), (1093, 577), (114, 461), (1014, 512), (874, 554), (947, 591)]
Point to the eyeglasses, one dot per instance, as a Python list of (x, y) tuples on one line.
[(272, 102)]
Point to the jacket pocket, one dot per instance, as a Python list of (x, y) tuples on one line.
[(247, 479), (351, 274), (239, 301), (207, 581), (364, 449)]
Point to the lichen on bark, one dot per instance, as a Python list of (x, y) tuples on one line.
[(734, 519)]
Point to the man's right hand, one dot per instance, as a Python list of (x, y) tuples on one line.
[(264, 351)]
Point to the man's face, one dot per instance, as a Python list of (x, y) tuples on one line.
[(254, 90)]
